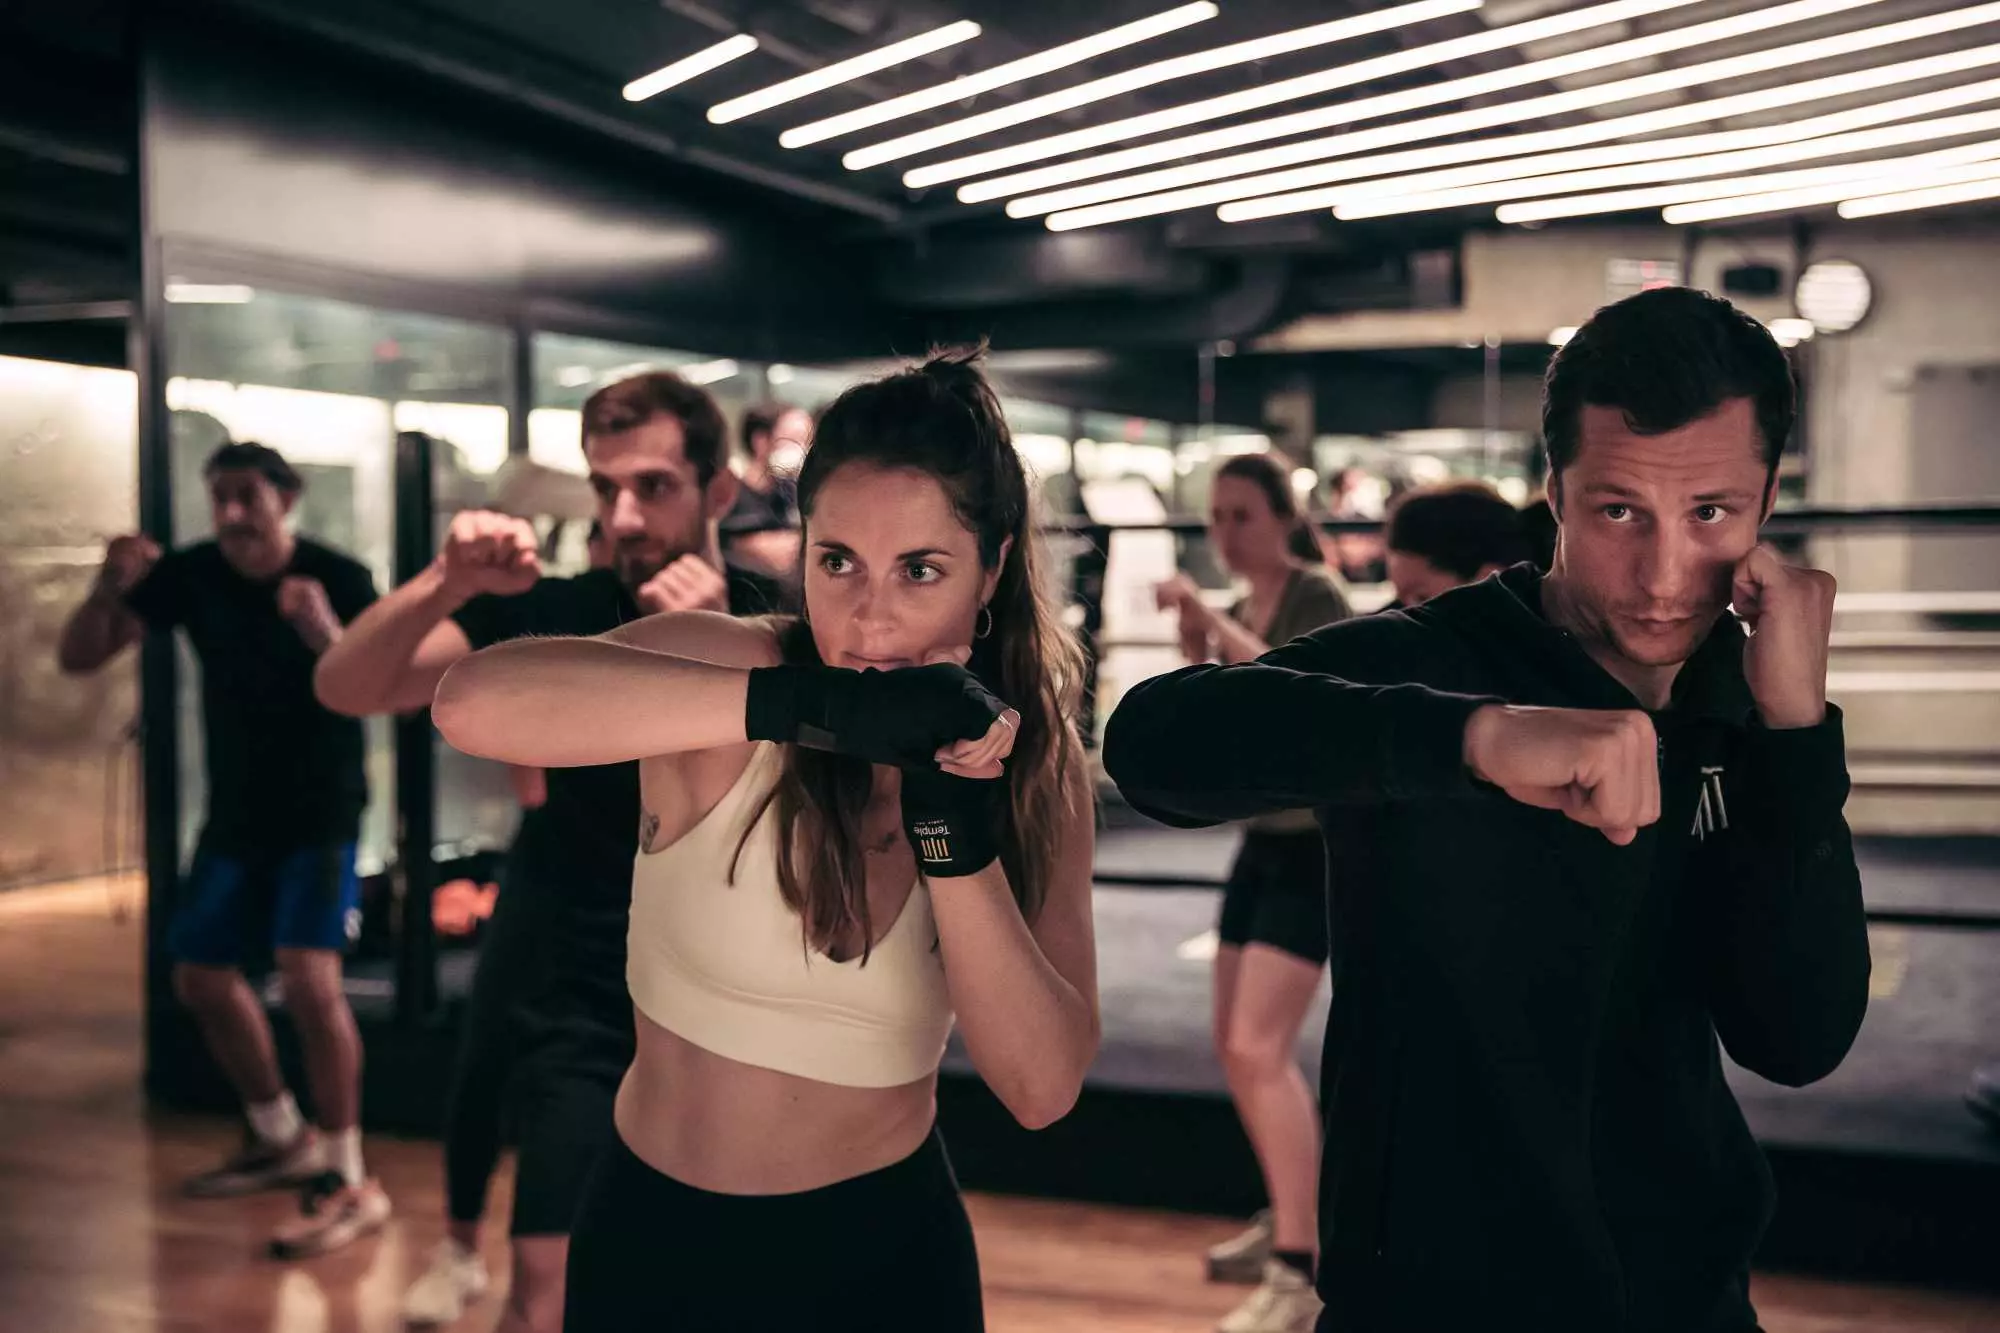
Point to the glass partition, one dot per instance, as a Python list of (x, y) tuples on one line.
[(568, 369), (69, 779), (330, 384)]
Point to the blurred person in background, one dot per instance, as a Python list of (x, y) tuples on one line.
[(657, 449), (474, 1107), (761, 529), (1272, 932), (1353, 494), (273, 872), (1454, 532)]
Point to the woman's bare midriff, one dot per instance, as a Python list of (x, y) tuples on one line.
[(732, 1128)]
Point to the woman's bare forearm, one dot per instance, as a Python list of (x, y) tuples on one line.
[(565, 703), (1233, 643), (1030, 1033)]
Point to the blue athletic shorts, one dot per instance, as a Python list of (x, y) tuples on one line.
[(235, 909)]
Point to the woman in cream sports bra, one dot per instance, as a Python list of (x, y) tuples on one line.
[(859, 826)]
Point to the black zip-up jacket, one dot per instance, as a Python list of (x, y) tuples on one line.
[(1526, 1120)]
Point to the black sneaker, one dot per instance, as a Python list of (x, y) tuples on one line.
[(258, 1166), (332, 1213)]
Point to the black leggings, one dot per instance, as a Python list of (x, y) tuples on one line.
[(888, 1251), (486, 1046)]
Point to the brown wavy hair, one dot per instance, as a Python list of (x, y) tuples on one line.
[(943, 419), (1272, 475)]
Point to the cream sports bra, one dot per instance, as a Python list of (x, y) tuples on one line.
[(725, 965)]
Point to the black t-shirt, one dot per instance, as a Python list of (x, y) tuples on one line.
[(574, 852), (763, 511), (283, 771)]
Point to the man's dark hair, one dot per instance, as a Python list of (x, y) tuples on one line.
[(1666, 357), (1538, 522), (249, 456), (1459, 526), (631, 403)]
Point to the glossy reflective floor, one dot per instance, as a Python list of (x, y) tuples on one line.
[(94, 1240)]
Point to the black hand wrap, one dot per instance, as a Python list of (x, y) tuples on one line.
[(953, 823), (901, 717)]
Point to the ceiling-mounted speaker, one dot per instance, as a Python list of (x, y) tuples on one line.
[(1752, 280)]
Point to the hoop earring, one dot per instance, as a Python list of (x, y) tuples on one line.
[(987, 629)]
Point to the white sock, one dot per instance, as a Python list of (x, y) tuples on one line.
[(344, 1155), (276, 1121)]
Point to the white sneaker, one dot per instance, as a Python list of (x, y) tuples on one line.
[(333, 1213), (1284, 1303), (455, 1277), (1241, 1258)]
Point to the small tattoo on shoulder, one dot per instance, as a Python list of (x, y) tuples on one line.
[(649, 828)]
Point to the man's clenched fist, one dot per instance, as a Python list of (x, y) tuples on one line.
[(127, 560), (302, 601), (688, 584), (487, 552), (1600, 768), (1789, 611)]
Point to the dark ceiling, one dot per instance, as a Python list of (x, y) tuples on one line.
[(68, 211)]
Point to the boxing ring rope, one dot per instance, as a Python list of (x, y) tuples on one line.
[(1091, 549)]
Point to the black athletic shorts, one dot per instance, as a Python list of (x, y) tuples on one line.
[(569, 1022), (564, 1126), (1276, 894), (881, 1253)]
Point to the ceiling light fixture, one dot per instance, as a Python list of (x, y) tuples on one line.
[(1252, 196), (209, 293), (687, 67), (1386, 104), (1646, 85), (1667, 196), (1014, 71), (843, 71), (1888, 178), (1692, 145), (1179, 67), (1790, 332), (1388, 202), (709, 372), (1936, 196)]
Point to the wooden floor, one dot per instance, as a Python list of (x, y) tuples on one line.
[(93, 1239)]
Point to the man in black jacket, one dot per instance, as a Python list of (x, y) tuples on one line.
[(1581, 824)]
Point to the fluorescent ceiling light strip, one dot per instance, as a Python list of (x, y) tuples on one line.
[(1672, 169), (1014, 71), (1881, 181), (1801, 136), (1385, 104), (1457, 122), (209, 293), (687, 67), (843, 71), (1904, 201), (1664, 196), (1258, 198), (709, 372), (1114, 85)]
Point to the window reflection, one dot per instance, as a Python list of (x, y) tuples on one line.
[(328, 384)]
